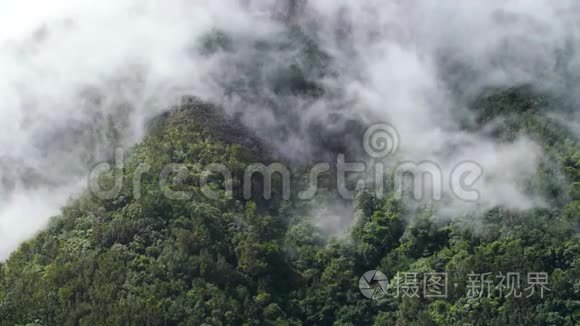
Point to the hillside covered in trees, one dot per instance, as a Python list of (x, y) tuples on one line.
[(293, 85), (150, 260)]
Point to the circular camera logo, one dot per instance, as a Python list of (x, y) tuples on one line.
[(381, 140), (373, 284)]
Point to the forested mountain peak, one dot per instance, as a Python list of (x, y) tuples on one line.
[(147, 259), (294, 162)]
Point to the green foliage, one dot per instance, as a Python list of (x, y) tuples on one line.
[(144, 259)]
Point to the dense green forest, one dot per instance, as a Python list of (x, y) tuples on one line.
[(148, 260), (142, 258)]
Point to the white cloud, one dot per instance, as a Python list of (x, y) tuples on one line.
[(391, 60)]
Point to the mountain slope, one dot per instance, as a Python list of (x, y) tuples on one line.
[(149, 260)]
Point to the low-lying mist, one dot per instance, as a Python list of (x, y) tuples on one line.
[(80, 78)]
